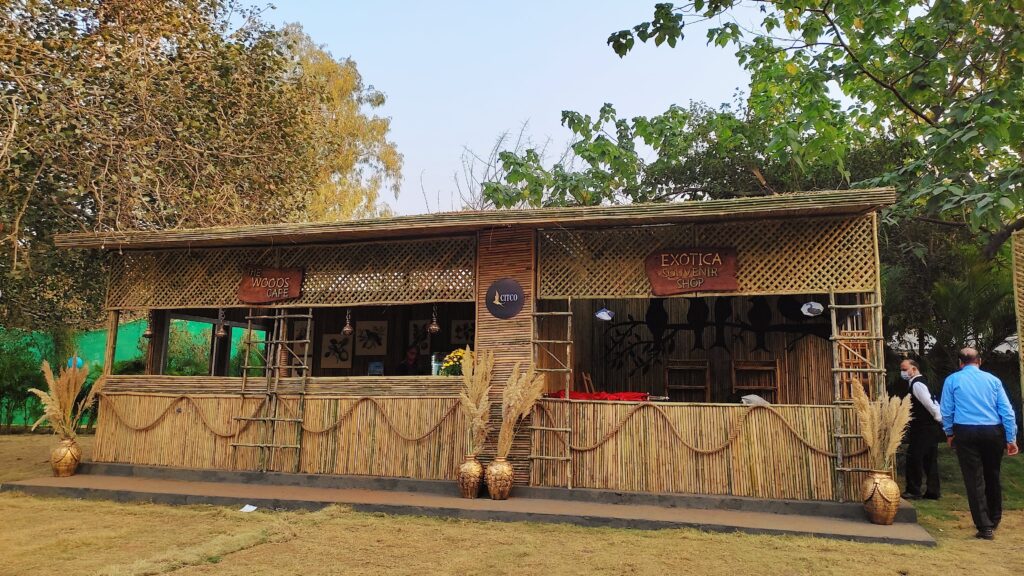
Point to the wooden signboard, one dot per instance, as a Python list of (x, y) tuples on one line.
[(266, 285), (682, 270)]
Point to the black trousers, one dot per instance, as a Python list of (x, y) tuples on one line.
[(980, 452), (922, 461)]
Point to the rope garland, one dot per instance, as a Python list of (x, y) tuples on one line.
[(387, 420), (734, 432), (239, 428)]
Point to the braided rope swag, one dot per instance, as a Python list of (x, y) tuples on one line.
[(735, 430), (240, 427)]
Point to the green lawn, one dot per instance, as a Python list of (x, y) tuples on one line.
[(65, 536)]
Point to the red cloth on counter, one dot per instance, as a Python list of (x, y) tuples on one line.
[(615, 396)]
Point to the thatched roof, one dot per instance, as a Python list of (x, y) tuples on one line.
[(792, 205)]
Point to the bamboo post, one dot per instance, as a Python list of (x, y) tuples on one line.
[(113, 318)]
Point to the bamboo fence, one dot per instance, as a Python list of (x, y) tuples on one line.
[(400, 436), (781, 452)]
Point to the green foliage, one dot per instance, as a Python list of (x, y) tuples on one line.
[(188, 353), (947, 75), (238, 356), (19, 370), (700, 153), (162, 114)]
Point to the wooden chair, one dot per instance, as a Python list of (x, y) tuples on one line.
[(761, 377), (588, 383), (695, 376)]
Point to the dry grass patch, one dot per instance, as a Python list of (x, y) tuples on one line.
[(25, 456)]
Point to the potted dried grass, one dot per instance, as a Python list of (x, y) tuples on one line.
[(882, 424), (64, 416), (475, 402), (517, 400)]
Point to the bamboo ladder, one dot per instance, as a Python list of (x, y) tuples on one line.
[(563, 367), (857, 351), (278, 354)]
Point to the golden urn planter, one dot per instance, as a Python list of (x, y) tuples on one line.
[(469, 476), (65, 457), (499, 477), (881, 497)]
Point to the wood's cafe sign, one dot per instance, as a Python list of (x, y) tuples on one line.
[(265, 285), (683, 270)]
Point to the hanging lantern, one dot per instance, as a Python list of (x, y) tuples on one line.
[(221, 331), (149, 325), (348, 329), (434, 327)]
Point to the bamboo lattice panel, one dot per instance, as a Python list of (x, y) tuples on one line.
[(413, 437), (699, 449), (796, 256), (434, 270), (1018, 288)]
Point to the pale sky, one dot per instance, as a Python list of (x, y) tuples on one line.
[(459, 73)]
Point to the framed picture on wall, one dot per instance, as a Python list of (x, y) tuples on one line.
[(336, 351), (298, 333), (371, 338), (463, 332), (418, 335)]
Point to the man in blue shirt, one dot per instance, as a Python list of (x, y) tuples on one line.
[(978, 419)]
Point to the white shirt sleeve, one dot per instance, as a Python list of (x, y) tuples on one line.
[(920, 392)]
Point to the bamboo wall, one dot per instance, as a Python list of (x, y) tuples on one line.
[(806, 360), (506, 253), (1018, 288), (411, 436), (778, 452)]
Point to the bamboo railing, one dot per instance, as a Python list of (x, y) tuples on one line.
[(399, 436), (782, 451)]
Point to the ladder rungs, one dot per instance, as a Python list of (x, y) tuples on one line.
[(267, 419), (552, 313), (559, 458), (265, 445), (551, 341), (856, 338), (860, 370), (843, 402), (853, 306), (548, 428)]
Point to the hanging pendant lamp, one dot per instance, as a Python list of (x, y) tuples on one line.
[(348, 329), (148, 333), (434, 327), (221, 331)]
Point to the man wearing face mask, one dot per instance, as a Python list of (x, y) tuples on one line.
[(922, 434)]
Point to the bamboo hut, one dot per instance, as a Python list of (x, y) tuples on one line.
[(652, 324)]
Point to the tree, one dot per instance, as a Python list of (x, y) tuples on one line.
[(700, 153), (945, 74), (148, 115)]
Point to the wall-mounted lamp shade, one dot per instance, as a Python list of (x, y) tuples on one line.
[(812, 309), (604, 314)]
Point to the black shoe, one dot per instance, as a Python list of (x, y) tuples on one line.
[(931, 496), (986, 534), (909, 496)]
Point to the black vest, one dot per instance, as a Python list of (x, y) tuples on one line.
[(922, 419)]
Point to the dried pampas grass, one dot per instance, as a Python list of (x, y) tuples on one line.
[(59, 400), (882, 424), (517, 400), (475, 398)]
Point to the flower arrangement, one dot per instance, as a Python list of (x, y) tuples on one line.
[(452, 363), (59, 406), (475, 398), (517, 400), (882, 424)]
